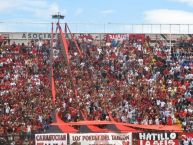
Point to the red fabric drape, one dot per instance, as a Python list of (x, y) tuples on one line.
[(53, 89), (175, 128), (64, 42), (66, 27), (124, 129), (52, 72), (97, 129), (63, 126)]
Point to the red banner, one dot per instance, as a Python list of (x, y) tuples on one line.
[(126, 36)]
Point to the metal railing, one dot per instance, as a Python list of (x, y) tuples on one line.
[(99, 28)]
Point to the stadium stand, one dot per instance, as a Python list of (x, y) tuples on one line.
[(134, 82), (25, 93), (130, 81)]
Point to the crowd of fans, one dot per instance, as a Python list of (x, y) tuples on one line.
[(25, 102), (131, 80)]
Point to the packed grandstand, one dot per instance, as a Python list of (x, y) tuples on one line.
[(124, 78)]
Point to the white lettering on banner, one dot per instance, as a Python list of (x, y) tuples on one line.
[(156, 142), (157, 136), (37, 36), (51, 139), (158, 139), (101, 139), (118, 36)]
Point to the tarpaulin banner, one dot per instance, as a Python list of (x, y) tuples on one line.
[(158, 139), (117, 36), (101, 139), (125, 36), (51, 139)]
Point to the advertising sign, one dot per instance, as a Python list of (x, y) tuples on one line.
[(158, 139), (51, 139), (101, 139)]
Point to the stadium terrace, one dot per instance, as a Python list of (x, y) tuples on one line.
[(127, 83)]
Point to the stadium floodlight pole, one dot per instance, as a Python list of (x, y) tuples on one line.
[(58, 16), (65, 50)]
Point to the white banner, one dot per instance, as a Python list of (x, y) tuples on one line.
[(101, 139), (51, 139)]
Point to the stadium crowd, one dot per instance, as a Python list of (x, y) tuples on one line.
[(25, 103), (131, 80)]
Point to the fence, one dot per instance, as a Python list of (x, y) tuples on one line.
[(99, 28)]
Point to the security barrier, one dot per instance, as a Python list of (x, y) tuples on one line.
[(22, 26)]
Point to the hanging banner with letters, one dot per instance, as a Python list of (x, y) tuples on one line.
[(51, 139), (101, 139), (158, 139)]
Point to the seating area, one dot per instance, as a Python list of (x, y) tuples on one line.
[(132, 81), (129, 80), (25, 105)]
